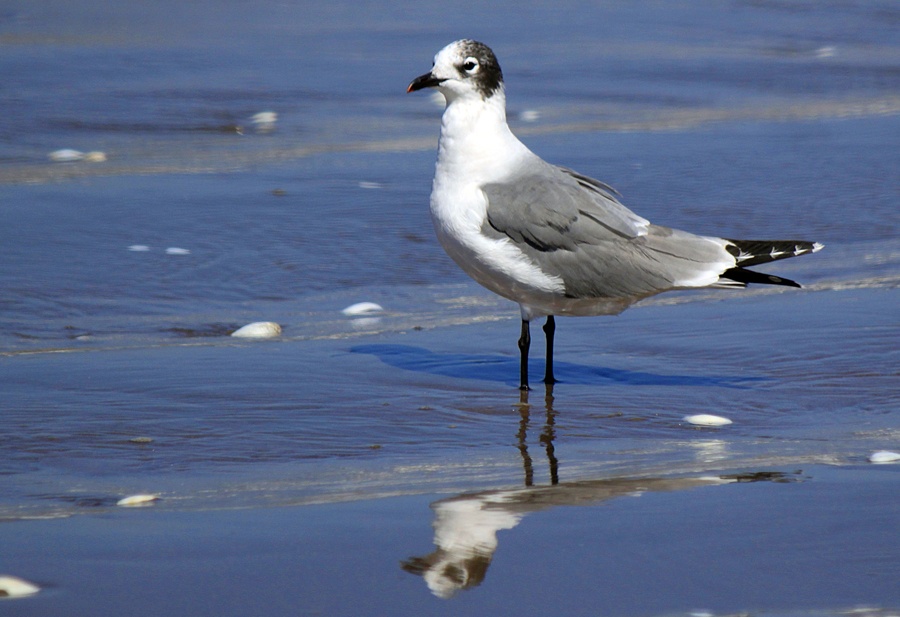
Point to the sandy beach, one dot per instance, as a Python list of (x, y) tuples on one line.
[(264, 164), (818, 540)]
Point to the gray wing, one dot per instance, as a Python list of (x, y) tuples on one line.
[(551, 207), (573, 227)]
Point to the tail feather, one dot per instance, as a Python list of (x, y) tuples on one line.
[(754, 252)]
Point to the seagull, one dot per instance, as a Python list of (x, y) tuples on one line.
[(549, 238)]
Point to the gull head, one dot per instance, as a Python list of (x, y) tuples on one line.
[(464, 68)]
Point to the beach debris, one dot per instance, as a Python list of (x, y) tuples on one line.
[(139, 248), (884, 456), (65, 155), (136, 500), (362, 308), (258, 329), (141, 440), (370, 185), (68, 155), (14, 587), (265, 117), (530, 115), (705, 419), (174, 250), (264, 121)]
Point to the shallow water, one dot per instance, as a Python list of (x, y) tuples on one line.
[(741, 119), (785, 542)]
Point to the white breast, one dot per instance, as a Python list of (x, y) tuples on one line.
[(477, 148)]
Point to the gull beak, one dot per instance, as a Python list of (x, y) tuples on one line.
[(424, 81)]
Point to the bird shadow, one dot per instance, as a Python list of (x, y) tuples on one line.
[(506, 369)]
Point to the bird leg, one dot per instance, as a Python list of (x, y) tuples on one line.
[(524, 344), (549, 331)]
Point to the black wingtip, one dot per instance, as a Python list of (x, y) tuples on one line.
[(742, 275), (749, 253)]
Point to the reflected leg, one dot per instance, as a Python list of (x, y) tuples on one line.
[(549, 434), (522, 437)]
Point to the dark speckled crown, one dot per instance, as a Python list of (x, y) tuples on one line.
[(490, 78)]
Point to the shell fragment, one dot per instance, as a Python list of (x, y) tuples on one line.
[(136, 500), (14, 587), (362, 308), (258, 329), (705, 419), (884, 456)]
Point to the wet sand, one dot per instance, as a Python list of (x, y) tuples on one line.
[(814, 540), (387, 464), (454, 510)]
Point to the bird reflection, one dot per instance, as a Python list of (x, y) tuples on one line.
[(466, 526), (465, 533)]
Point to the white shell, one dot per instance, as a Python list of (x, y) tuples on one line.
[(139, 248), (13, 587), (65, 155), (136, 500), (884, 456), (258, 329), (264, 121), (362, 308), (265, 117), (95, 157), (705, 419), (174, 250)]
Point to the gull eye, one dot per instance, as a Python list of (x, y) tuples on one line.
[(470, 65)]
